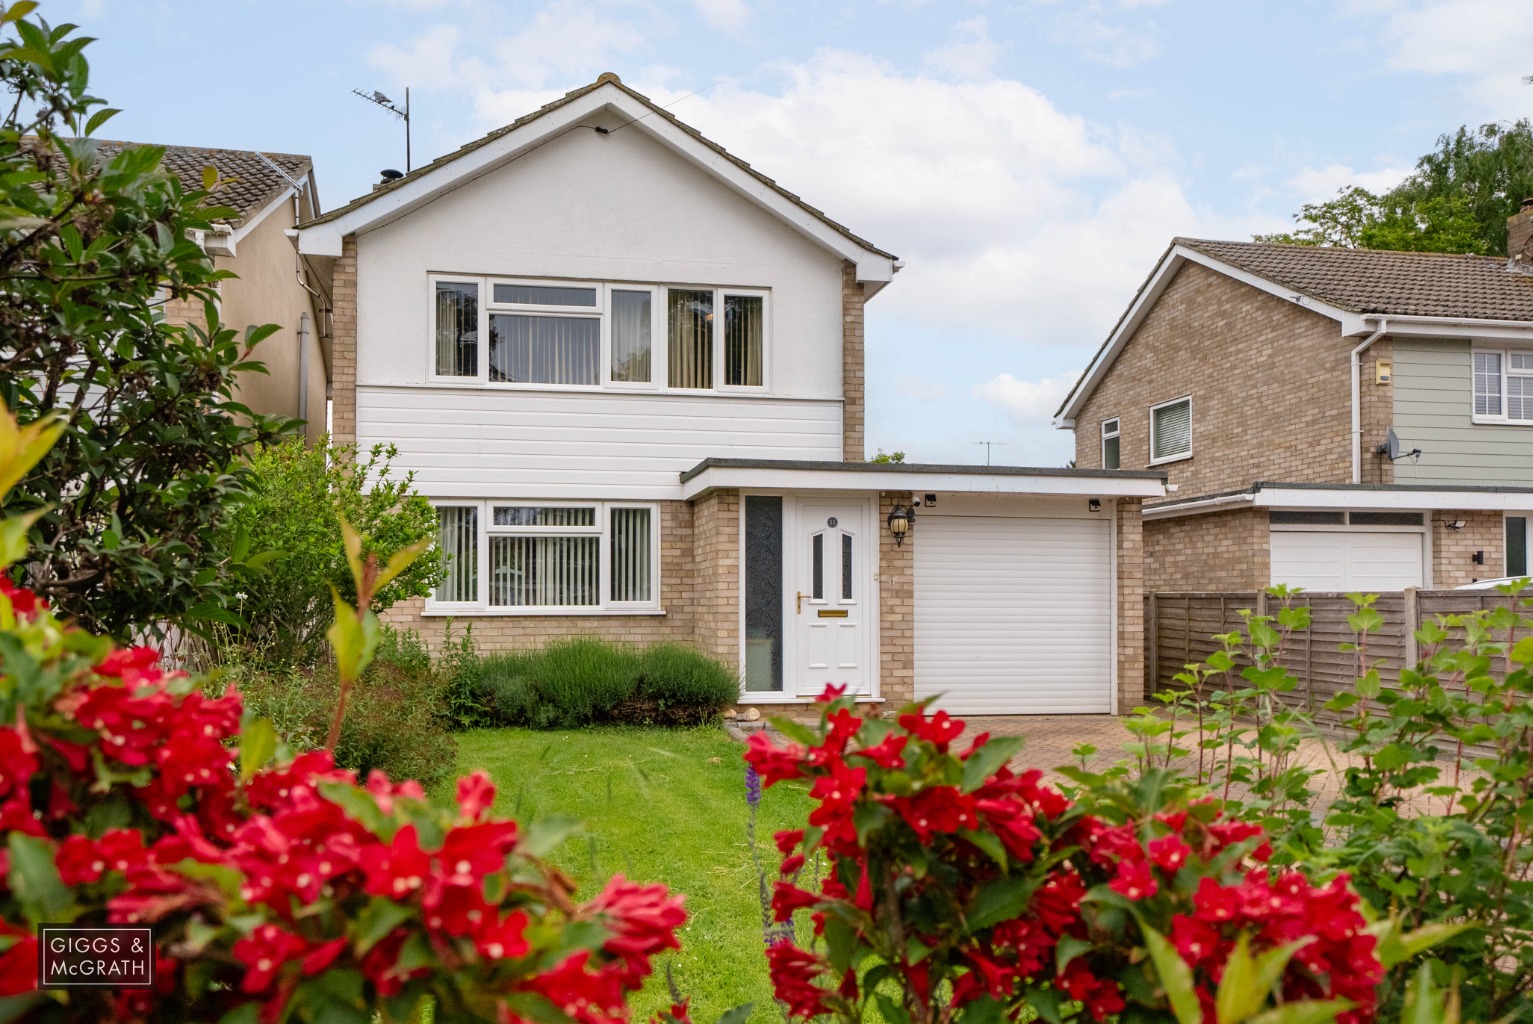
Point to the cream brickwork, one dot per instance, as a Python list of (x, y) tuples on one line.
[(1270, 386), (1453, 550), (1377, 413), (515, 632), (716, 569), (1214, 551), (343, 362), (853, 407), (1130, 570), (897, 612)]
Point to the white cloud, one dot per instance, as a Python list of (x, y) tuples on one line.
[(919, 389), (1315, 184), (1485, 44), (1027, 402), (724, 15), (969, 53), (1103, 32)]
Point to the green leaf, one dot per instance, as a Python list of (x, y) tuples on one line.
[(1309, 1011), (798, 732), (401, 560), (737, 1014), (1395, 947), (258, 742), (1175, 977), (1000, 900), (546, 835), (983, 762), (1248, 982), (209, 177), (376, 920), (35, 880), (1068, 949)]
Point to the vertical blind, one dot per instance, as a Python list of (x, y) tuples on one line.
[(457, 329), (458, 539), (742, 340), (1171, 428), (689, 319), (631, 336), (530, 572), (631, 555), (544, 349)]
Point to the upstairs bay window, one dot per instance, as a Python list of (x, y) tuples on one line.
[(523, 558), (588, 335)]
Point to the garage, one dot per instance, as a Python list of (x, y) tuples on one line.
[(1347, 561), (1014, 613)]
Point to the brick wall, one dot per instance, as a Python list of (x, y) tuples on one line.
[(896, 596), (343, 362), (1377, 412), (1214, 551), (1130, 568), (1270, 384), (512, 632), (716, 569), (853, 408), (1453, 550)]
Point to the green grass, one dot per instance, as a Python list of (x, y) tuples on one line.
[(663, 805)]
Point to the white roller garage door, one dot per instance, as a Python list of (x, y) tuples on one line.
[(1347, 560), (1013, 615)]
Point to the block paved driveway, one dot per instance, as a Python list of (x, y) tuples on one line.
[(1048, 739)]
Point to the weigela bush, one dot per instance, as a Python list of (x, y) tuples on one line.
[(276, 892), (954, 888)]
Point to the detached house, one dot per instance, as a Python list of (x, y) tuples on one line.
[(1336, 419), (627, 368), (270, 193)]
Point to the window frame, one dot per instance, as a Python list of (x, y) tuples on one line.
[(1109, 435), (1503, 418), (602, 312), (602, 530), (1179, 456)]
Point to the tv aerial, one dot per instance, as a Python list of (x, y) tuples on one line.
[(1390, 449), (378, 99)]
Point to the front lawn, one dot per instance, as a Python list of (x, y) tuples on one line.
[(659, 805)]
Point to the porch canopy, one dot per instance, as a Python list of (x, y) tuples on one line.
[(789, 474)]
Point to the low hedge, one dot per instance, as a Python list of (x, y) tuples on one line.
[(585, 681)]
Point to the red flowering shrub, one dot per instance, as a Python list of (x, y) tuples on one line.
[(954, 887)]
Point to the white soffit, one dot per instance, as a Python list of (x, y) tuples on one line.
[(1410, 501), (790, 479), (325, 239)]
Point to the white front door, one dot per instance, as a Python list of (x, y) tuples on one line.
[(832, 597)]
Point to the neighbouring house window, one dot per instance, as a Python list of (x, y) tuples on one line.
[(742, 340), (1109, 444), (1171, 430), (689, 332), (457, 329), (1503, 386), (578, 556), (763, 594), (1516, 545), (632, 324)]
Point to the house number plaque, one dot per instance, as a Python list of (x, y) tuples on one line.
[(831, 521)]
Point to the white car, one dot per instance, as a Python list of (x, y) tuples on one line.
[(1492, 584)]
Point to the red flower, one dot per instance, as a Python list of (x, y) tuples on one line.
[(940, 730), (476, 792), (503, 937), (18, 964), (23, 602), (773, 763), (788, 840), (78, 861), (263, 953), (886, 753), (1169, 853), (1215, 902), (787, 897), (322, 956), (831, 693), (1134, 880), (397, 869), (793, 972), (938, 809), (642, 921)]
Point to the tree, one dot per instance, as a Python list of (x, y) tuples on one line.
[(888, 457), (289, 522), (91, 249), (1457, 200)]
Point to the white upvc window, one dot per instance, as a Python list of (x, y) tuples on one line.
[(529, 333), (1503, 386), (523, 557), (1111, 455), (1171, 430)]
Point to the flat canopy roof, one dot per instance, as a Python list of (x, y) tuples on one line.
[(1403, 497), (791, 474)]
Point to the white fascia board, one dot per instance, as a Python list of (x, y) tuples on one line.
[(1392, 500), (1223, 503), (1145, 301), (1454, 327), (325, 239), (266, 211), (723, 477)]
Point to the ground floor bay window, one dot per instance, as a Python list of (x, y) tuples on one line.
[(519, 557)]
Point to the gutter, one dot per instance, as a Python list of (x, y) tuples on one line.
[(1200, 505), (1357, 409)]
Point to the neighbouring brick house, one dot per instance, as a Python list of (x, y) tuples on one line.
[(1336, 419), (628, 370), (270, 194)]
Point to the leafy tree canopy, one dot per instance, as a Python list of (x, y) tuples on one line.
[(887, 457), (132, 500), (1456, 200)]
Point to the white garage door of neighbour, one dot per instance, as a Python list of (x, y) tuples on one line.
[(1014, 615), (1347, 560)]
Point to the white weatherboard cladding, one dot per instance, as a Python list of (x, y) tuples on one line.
[(614, 208), (488, 443), (1348, 560), (1013, 614)]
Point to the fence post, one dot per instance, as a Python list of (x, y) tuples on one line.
[(1261, 603), (1152, 629), (1412, 614)]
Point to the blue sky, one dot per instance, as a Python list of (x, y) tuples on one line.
[(1028, 160)]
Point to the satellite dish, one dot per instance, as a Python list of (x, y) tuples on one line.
[(1391, 446)]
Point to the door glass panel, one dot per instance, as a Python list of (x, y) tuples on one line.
[(819, 566), (846, 567), (763, 594), (1516, 545)]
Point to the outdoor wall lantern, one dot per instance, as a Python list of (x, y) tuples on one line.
[(1094, 505), (1454, 524), (901, 519)]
